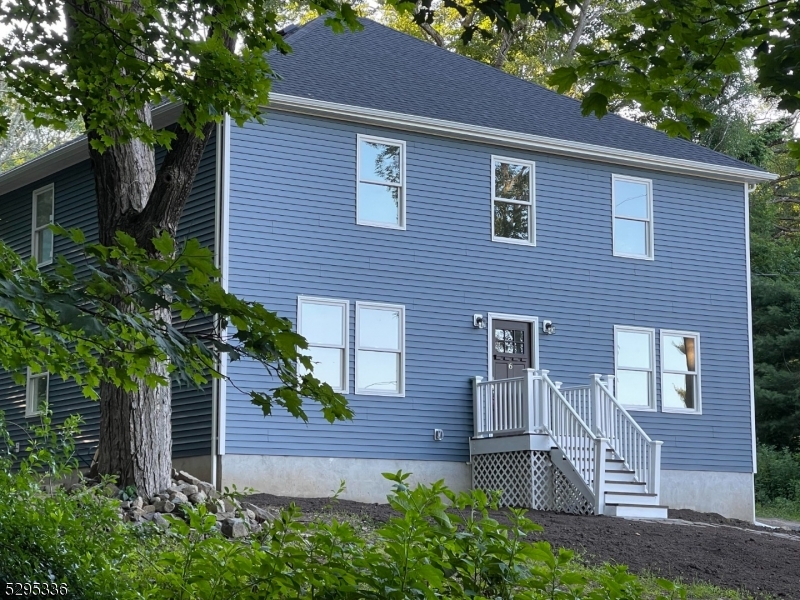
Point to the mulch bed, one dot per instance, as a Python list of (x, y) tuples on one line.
[(724, 552)]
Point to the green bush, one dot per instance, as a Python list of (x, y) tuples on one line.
[(778, 482), (441, 545)]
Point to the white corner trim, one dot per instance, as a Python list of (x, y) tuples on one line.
[(223, 247), (511, 139), (651, 253), (653, 406), (750, 326), (698, 367), (531, 203), (534, 321)]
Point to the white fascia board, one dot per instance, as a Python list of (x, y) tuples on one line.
[(71, 153), (512, 139)]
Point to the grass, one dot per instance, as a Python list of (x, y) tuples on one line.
[(779, 509)]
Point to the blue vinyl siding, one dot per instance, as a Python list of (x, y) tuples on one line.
[(75, 207), (293, 232)]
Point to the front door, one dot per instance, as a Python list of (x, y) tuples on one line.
[(512, 348)]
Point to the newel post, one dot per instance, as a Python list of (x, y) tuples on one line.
[(595, 400), (654, 481), (477, 421), (529, 401), (600, 447), (543, 400)]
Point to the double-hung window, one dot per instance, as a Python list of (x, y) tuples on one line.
[(680, 371), (635, 367), (381, 183), (42, 237), (513, 205), (325, 325), (380, 349), (632, 205), (36, 392)]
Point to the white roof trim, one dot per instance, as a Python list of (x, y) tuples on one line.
[(69, 154), (512, 139), (77, 150)]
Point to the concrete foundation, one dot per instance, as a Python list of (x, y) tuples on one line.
[(318, 477), (199, 466), (728, 494)]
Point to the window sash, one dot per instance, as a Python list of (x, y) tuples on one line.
[(530, 202), (400, 351), (695, 373), (345, 332), (651, 370), (38, 231), (401, 185), (649, 237), (33, 407)]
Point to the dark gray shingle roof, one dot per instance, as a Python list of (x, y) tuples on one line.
[(384, 69)]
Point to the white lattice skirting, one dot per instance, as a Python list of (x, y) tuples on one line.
[(528, 479)]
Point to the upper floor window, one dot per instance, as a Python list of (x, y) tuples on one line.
[(513, 209), (42, 240), (632, 203), (680, 371), (635, 364), (381, 183), (36, 392), (325, 324), (380, 349)]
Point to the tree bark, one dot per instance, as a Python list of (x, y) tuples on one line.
[(576, 35)]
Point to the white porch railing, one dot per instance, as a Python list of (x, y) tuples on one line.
[(501, 407)]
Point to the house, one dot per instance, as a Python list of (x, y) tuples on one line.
[(510, 295)]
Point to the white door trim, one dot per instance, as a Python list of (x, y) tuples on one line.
[(534, 321)]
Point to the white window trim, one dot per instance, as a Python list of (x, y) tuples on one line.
[(345, 333), (651, 221), (531, 241), (29, 410), (534, 321), (402, 185), (402, 386), (652, 370), (698, 393), (34, 229)]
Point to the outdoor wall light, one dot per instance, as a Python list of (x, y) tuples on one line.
[(478, 322), (548, 327)]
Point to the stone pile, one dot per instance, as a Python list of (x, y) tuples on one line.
[(234, 519)]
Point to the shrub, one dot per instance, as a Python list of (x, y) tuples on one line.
[(440, 545), (778, 481)]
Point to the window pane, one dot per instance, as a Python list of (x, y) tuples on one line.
[(512, 181), (633, 388), (379, 162), (511, 220), (679, 353), (322, 323), (633, 349), (378, 371), (44, 208), (38, 392), (327, 365), (679, 391), (44, 245), (379, 328), (630, 237), (378, 203), (630, 199)]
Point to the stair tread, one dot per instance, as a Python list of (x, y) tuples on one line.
[(636, 505), (625, 482), (633, 494)]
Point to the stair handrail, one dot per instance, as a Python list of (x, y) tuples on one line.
[(581, 447), (630, 442)]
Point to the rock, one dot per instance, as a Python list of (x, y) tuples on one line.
[(261, 514), (198, 498), (155, 499), (256, 527), (215, 506), (137, 502), (189, 489), (221, 516), (160, 521), (229, 506), (173, 489), (149, 509), (185, 477), (125, 505), (208, 489), (234, 528), (164, 506), (134, 515), (110, 490), (178, 498), (249, 514)]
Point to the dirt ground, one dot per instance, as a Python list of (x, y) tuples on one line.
[(691, 546)]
